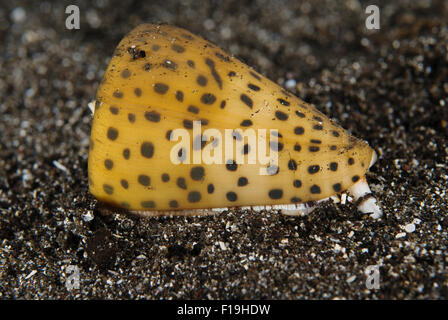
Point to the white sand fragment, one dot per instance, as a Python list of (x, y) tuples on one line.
[(400, 235), (60, 166), (409, 228), (91, 106)]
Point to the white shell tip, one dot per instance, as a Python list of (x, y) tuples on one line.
[(91, 106)]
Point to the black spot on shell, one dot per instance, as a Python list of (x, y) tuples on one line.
[(313, 149), (108, 189), (272, 170), (281, 115), (246, 123), (188, 124), (178, 48), (222, 57), (109, 164), (351, 161), (313, 169), (144, 180), (318, 127), (165, 177), (223, 104), (201, 80), (147, 66), (124, 183), (211, 64), (138, 92), (253, 74), (168, 135), (193, 109), (179, 96), (194, 196), (187, 36), (173, 204), (198, 142), (210, 188), (125, 73), (113, 110), (231, 165), (131, 117), (337, 187), (333, 148), (237, 136), (297, 183), (316, 141), (315, 189), (160, 88), (283, 102), (318, 118), (118, 94), (297, 147), (248, 101), (300, 114), (333, 166), (296, 200), (242, 181), (169, 64), (299, 130), (190, 63), (276, 193), (112, 133), (125, 205), (147, 149), (335, 133), (292, 165), (149, 204), (253, 87), (182, 154), (181, 183), (276, 146), (231, 74), (197, 173), (126, 153), (246, 149), (355, 178), (231, 196), (153, 116), (208, 98)]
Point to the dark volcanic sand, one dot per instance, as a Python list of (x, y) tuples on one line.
[(389, 87)]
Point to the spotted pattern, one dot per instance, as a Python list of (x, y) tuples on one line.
[(246, 123), (201, 80), (197, 173), (280, 115), (194, 196), (147, 149), (208, 98), (112, 133), (242, 181), (161, 88), (276, 193), (152, 116), (231, 196), (247, 100), (186, 86), (179, 96)]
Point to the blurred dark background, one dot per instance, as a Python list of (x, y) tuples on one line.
[(387, 86)]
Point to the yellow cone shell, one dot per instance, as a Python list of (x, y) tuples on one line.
[(162, 78)]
